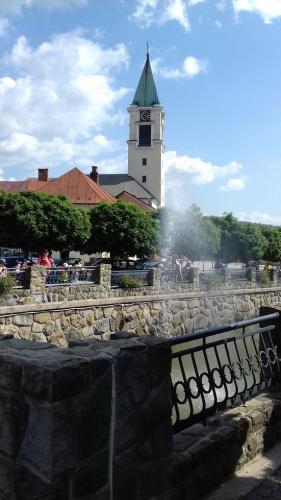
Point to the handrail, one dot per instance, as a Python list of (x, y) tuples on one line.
[(211, 375), (208, 332)]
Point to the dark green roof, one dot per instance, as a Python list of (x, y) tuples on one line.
[(146, 93)]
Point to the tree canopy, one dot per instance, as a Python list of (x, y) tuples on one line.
[(242, 241), (122, 229), (33, 221)]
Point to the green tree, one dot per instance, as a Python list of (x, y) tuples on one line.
[(33, 221), (273, 237), (239, 240), (122, 229)]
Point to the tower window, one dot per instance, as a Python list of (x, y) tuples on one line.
[(145, 135), (144, 178), (144, 161)]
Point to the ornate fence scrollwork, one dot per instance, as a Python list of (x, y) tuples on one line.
[(222, 367)]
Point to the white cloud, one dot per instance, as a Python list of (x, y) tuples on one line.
[(28, 153), (198, 170), (235, 184), (189, 68), (150, 12), (16, 6), (59, 97), (4, 24), (260, 218), (267, 9)]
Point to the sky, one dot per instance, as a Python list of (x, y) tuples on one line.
[(69, 70)]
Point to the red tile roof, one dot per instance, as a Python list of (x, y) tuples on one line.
[(130, 198), (75, 185)]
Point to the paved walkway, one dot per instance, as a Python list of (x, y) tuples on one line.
[(258, 480)]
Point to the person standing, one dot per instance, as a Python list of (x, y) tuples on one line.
[(3, 269), (44, 259)]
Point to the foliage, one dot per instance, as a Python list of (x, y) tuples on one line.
[(41, 221), (122, 229), (273, 237), (129, 282), (242, 241), (6, 285)]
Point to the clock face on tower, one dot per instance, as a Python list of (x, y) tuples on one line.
[(145, 115)]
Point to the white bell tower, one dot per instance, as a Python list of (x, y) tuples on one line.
[(145, 144)]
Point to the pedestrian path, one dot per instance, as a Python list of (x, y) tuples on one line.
[(258, 480)]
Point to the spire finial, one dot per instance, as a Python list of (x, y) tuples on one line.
[(147, 49)]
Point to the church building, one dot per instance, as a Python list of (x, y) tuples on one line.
[(143, 185), (145, 178)]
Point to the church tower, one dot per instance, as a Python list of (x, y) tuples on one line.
[(145, 144)]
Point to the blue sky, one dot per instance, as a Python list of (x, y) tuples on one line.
[(69, 69)]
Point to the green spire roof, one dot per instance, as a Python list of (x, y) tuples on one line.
[(146, 93)]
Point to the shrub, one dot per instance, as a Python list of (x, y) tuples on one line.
[(129, 282), (6, 285)]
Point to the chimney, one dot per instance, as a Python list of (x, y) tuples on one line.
[(95, 175), (42, 174)]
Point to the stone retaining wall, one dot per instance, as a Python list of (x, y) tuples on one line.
[(88, 422), (204, 456), (35, 289), (93, 421), (161, 315)]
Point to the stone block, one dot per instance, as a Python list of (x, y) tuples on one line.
[(10, 371), (30, 486), (42, 317), (93, 477), (6, 479), (23, 320), (49, 328), (48, 440), (54, 377), (58, 339), (14, 414), (102, 326), (92, 414)]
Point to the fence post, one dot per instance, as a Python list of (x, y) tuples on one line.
[(226, 275), (153, 277), (194, 275), (251, 274), (102, 276), (34, 279), (273, 275)]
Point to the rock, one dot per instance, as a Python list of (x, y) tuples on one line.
[(42, 317), (58, 339)]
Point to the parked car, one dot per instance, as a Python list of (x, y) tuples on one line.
[(220, 264)]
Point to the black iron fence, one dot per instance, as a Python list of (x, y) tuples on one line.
[(70, 275), (138, 275), (221, 367)]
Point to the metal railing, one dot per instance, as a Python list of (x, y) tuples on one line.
[(221, 367), (70, 275)]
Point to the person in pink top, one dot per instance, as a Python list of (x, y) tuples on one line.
[(44, 259)]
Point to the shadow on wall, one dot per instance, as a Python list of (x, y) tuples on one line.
[(205, 456)]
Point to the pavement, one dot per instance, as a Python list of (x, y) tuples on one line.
[(259, 479)]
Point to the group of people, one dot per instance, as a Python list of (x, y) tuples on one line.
[(183, 266), (17, 268), (62, 273)]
